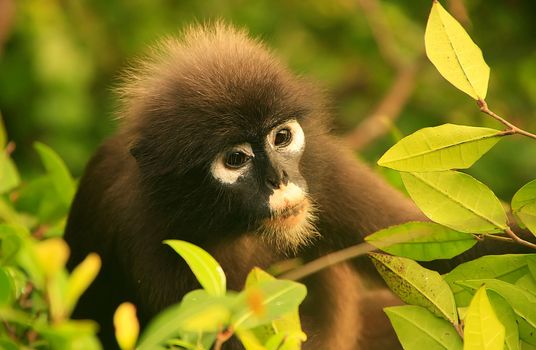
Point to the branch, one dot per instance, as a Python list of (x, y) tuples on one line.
[(518, 239), (511, 127), (379, 122), (327, 261)]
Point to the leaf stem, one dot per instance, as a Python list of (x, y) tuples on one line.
[(222, 337), (519, 240), (511, 127)]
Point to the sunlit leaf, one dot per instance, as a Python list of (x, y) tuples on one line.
[(249, 340), (205, 268), (9, 176), (507, 317), (126, 326), (521, 301), (52, 254), (279, 297), (457, 58), (524, 205), (58, 172), (80, 279), (416, 285), (201, 312), (288, 326), (444, 147), (418, 328), (482, 331), (507, 267), (3, 134), (456, 200), (7, 291), (423, 241)]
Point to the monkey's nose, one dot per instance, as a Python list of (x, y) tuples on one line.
[(274, 181)]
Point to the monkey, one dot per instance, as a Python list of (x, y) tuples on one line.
[(221, 145)]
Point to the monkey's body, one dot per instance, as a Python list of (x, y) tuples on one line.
[(152, 182)]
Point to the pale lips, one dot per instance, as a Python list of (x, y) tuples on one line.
[(291, 215)]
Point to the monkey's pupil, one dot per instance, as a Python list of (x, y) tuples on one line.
[(283, 137), (236, 159)]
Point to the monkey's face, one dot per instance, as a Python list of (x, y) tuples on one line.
[(263, 174)]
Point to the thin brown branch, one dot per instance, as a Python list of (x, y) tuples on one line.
[(514, 129), (518, 239), (222, 337), (380, 120), (327, 261), (381, 32)]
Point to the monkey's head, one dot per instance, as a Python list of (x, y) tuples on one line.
[(218, 128)]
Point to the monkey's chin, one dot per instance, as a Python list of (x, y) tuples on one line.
[(291, 228)]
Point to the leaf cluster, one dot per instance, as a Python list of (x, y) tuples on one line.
[(487, 303)]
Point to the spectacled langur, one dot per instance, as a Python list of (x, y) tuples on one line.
[(220, 145)]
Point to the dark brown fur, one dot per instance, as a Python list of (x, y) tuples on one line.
[(149, 182)]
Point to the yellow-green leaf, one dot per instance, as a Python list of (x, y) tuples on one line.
[(454, 54), (205, 268), (456, 200), (416, 285), (443, 147), (9, 176), (422, 241), (524, 205), (483, 331), (58, 172), (126, 326), (418, 328), (80, 279)]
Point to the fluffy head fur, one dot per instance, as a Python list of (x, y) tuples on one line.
[(192, 98)]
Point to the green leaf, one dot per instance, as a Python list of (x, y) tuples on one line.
[(457, 58), (80, 279), (456, 200), (507, 267), (482, 331), (57, 170), (205, 268), (507, 317), (444, 147), (524, 205), (277, 298), (418, 328), (527, 333), (249, 340), (9, 176), (7, 291), (3, 134), (200, 312), (288, 327), (416, 285), (423, 241), (39, 198), (520, 300)]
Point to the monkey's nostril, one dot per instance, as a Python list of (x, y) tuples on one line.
[(273, 183), (284, 177)]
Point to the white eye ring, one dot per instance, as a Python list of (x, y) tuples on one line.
[(293, 143), (228, 173)]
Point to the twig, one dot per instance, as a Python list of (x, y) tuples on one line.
[(328, 260), (484, 109), (518, 239), (379, 121), (381, 32), (222, 337)]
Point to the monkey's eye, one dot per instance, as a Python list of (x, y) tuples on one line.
[(236, 159), (283, 138)]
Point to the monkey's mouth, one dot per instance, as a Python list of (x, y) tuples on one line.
[(291, 215)]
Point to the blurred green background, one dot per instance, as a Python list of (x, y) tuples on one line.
[(59, 61)]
